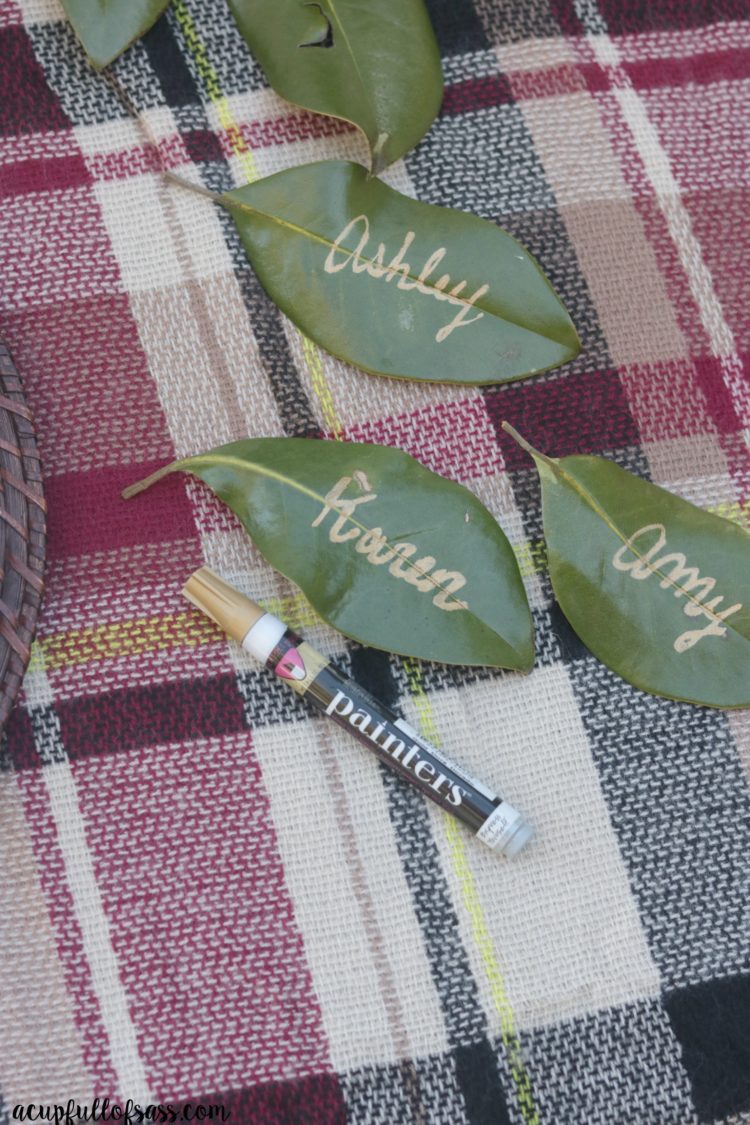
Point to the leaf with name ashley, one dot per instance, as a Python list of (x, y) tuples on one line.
[(388, 552), (376, 65), (107, 27), (395, 286), (658, 589)]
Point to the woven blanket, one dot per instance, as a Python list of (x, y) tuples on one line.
[(210, 896)]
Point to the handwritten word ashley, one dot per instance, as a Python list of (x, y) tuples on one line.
[(397, 267), (374, 545), (685, 579)]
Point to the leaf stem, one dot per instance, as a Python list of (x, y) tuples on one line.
[(199, 189), (142, 485), (527, 446)]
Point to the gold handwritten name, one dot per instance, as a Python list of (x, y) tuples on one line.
[(397, 267), (685, 580), (374, 545)]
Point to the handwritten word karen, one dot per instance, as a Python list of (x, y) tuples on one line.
[(397, 267), (686, 580), (374, 545)]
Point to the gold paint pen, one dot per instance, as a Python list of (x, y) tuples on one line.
[(312, 675)]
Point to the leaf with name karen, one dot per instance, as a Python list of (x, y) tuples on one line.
[(395, 286), (107, 27), (658, 589), (388, 552), (376, 65)]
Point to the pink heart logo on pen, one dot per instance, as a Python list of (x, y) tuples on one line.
[(291, 666)]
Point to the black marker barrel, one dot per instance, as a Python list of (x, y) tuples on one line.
[(312, 675)]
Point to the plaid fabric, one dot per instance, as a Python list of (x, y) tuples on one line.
[(209, 895)]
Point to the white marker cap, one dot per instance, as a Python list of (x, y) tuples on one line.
[(520, 838), (506, 830)]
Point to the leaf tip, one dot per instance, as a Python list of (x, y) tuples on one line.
[(378, 159), (527, 655)]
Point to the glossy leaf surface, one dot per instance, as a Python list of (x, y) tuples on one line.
[(658, 589), (399, 287), (388, 552), (106, 27), (374, 64)]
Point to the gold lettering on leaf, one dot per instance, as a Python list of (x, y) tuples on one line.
[(673, 571), (374, 545), (376, 267)]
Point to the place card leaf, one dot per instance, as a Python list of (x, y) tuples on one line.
[(658, 589), (388, 552), (107, 27), (375, 65), (395, 286)]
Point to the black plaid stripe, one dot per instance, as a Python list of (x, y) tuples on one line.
[(85, 96), (414, 1090), (680, 808), (544, 235), (230, 58), (482, 161), (615, 1067), (712, 1023), (458, 28)]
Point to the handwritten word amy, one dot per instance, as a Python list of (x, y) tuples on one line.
[(685, 579), (397, 267), (374, 545)]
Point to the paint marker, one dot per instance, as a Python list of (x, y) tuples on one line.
[(312, 675)]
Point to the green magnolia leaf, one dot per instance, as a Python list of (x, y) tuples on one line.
[(106, 27), (376, 65), (398, 287), (385, 550), (656, 588)]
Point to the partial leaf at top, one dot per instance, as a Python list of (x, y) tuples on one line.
[(388, 552), (399, 287), (106, 27), (658, 589), (374, 64)]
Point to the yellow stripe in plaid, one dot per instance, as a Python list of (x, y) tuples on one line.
[(736, 512), (242, 151), (124, 638), (531, 563), (150, 634), (322, 390), (531, 557), (294, 611), (473, 907), (218, 99)]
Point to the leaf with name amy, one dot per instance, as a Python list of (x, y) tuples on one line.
[(376, 65), (106, 27), (388, 552), (395, 286), (658, 589)]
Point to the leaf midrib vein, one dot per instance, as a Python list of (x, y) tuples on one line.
[(350, 49), (584, 493), (229, 203), (238, 463)]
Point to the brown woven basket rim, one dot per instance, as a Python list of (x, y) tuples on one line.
[(23, 533)]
